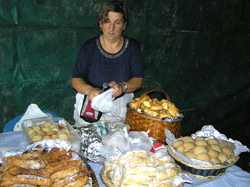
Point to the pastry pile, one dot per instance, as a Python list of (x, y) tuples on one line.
[(56, 168), (141, 168), (205, 149), (154, 107), (48, 130)]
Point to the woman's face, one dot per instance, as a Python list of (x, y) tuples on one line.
[(113, 28)]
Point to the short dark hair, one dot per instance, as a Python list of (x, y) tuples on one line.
[(114, 6)]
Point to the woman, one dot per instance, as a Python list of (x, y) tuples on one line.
[(109, 58)]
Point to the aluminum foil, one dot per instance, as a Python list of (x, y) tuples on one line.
[(91, 142)]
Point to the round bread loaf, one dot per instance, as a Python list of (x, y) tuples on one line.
[(180, 148), (190, 154), (229, 152), (187, 139), (216, 147), (177, 143), (215, 160), (201, 143), (203, 157), (199, 149), (212, 153), (212, 141), (188, 146), (222, 157)]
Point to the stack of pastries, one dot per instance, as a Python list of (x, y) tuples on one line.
[(48, 130), (56, 167), (154, 107), (141, 168), (205, 149)]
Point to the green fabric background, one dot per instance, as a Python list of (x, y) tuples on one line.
[(197, 51)]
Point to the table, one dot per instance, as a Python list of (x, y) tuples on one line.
[(233, 177)]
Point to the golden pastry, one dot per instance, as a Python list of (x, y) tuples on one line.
[(177, 143), (212, 153), (188, 146), (203, 157), (199, 149)]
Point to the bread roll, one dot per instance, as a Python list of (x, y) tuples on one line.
[(203, 157), (212, 141), (199, 149), (177, 143), (188, 146), (212, 153), (222, 157), (187, 139)]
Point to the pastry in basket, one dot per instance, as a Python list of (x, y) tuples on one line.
[(54, 167), (140, 169), (154, 107), (205, 149)]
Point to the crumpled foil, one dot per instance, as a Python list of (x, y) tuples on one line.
[(91, 142)]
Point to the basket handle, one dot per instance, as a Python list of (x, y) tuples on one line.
[(149, 91)]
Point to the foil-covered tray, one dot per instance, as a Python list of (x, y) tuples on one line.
[(74, 140)]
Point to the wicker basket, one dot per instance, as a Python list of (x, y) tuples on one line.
[(201, 172), (143, 122)]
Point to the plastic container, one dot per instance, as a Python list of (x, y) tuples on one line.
[(75, 141)]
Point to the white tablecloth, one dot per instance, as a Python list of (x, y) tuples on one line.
[(233, 177)]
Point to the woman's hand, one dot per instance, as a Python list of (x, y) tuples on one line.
[(93, 92), (118, 89)]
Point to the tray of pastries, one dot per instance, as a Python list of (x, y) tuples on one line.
[(46, 167), (51, 128), (140, 168)]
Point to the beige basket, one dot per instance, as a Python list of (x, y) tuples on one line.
[(156, 126), (198, 171)]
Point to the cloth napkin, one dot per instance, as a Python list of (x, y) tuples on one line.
[(32, 112)]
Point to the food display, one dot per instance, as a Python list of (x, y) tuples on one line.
[(205, 149), (140, 168), (154, 107), (54, 167), (48, 130), (41, 129)]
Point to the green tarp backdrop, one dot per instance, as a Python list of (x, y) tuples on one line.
[(197, 51)]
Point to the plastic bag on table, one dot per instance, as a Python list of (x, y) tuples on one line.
[(120, 140), (140, 141)]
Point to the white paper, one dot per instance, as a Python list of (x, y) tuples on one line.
[(32, 112)]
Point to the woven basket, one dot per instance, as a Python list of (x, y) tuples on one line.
[(108, 183), (143, 122), (201, 172)]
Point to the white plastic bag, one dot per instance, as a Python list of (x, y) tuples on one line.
[(120, 140), (115, 116), (103, 102)]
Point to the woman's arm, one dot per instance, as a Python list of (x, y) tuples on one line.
[(82, 87), (132, 85)]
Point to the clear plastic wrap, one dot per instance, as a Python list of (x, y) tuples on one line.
[(75, 141)]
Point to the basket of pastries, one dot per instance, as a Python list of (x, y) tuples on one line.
[(46, 163), (203, 157), (145, 114), (140, 168)]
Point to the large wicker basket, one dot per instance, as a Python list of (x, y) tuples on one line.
[(156, 126), (201, 172)]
